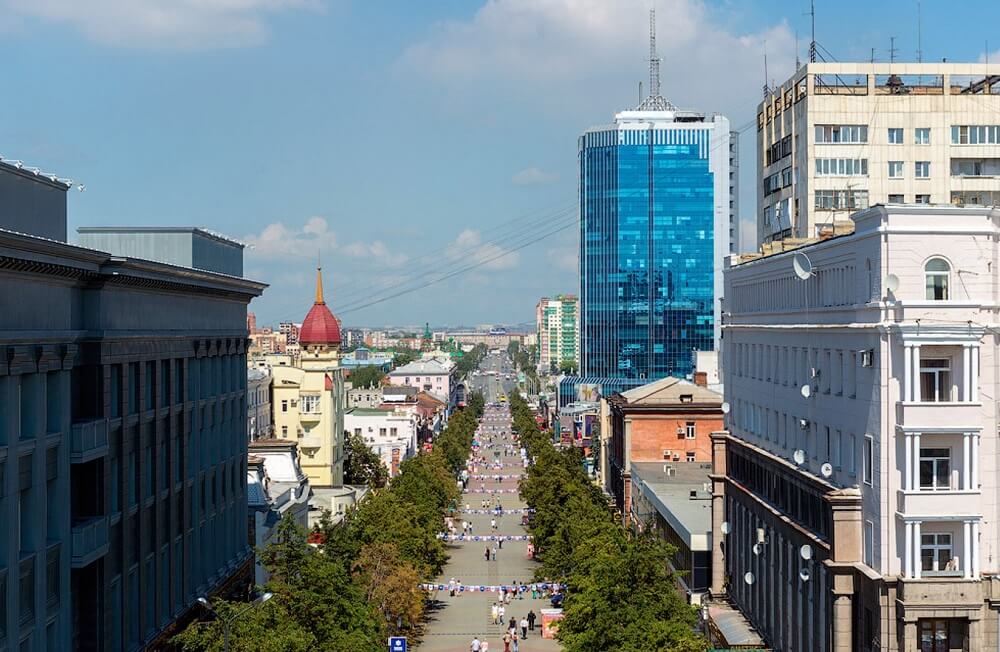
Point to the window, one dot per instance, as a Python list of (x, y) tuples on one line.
[(895, 136), (310, 404), (838, 200), (284, 431), (935, 469), (936, 274), (922, 170), (841, 133), (935, 381), (357, 431), (895, 169), (868, 461), (922, 199), (975, 134), (284, 405), (869, 544), (936, 552), (689, 430), (922, 136), (842, 167), (689, 456), (896, 199)]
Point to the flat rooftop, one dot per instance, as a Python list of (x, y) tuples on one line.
[(670, 493)]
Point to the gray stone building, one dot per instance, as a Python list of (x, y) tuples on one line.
[(122, 432)]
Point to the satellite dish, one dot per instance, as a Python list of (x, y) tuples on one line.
[(806, 551), (757, 548), (804, 574), (806, 391), (748, 577), (725, 527), (725, 408), (802, 265), (892, 283), (826, 469), (799, 456)]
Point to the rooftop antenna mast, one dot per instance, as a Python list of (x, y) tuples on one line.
[(767, 89), (920, 51), (812, 43), (654, 101), (892, 49), (797, 62)]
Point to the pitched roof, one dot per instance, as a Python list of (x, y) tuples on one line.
[(417, 367), (667, 392)]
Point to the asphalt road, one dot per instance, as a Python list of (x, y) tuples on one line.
[(454, 621), (495, 377)]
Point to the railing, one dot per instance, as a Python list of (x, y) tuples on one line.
[(89, 441), (90, 540)]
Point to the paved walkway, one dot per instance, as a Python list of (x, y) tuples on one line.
[(454, 621)]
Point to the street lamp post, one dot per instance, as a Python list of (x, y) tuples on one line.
[(227, 622)]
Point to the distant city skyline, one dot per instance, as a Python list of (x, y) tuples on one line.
[(281, 124)]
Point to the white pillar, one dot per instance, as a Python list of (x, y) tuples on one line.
[(966, 460), (974, 458), (915, 467), (916, 373), (908, 467), (975, 374), (966, 374), (967, 547), (916, 550), (975, 549), (908, 550), (907, 372)]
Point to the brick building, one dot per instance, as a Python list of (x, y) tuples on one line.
[(668, 421)]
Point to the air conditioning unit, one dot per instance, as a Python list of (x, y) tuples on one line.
[(666, 454), (680, 431), (867, 358), (669, 470)]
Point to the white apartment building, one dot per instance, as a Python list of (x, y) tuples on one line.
[(840, 137), (392, 434), (855, 493)]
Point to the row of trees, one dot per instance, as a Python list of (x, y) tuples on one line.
[(621, 592), (359, 584)]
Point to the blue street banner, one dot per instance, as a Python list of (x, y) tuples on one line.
[(397, 644)]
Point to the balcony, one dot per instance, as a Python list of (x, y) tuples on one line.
[(89, 441), (90, 540), (929, 504), (312, 442), (939, 415), (311, 416)]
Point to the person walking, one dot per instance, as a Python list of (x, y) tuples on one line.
[(451, 587), (487, 553), (501, 612), (524, 628), (494, 611), (531, 620), (494, 552), (475, 646), (506, 642), (514, 644), (486, 646)]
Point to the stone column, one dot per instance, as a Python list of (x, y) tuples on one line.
[(907, 372), (846, 549), (843, 612), (718, 477), (909, 637)]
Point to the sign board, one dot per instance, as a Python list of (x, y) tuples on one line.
[(397, 644)]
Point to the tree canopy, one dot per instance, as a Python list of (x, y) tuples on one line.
[(621, 593), (363, 465), (367, 376)]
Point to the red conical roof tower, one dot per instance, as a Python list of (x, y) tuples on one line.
[(320, 327)]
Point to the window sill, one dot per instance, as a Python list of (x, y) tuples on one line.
[(941, 492)]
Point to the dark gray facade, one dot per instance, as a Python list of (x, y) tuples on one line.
[(32, 203), (122, 443), (182, 246)]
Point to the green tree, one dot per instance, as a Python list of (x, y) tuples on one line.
[(363, 465), (403, 357), (367, 376), (568, 367)]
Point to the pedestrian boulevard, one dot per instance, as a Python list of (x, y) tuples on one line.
[(454, 621)]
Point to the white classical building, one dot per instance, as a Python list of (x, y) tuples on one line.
[(862, 376), (390, 433), (836, 138)]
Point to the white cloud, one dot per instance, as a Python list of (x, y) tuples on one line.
[(280, 242), (159, 24), (469, 247), (534, 176), (572, 55), (992, 57)]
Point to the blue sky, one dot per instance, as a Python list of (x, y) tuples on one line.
[(396, 138)]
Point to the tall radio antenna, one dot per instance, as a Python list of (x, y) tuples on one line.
[(654, 101), (920, 51), (812, 43)]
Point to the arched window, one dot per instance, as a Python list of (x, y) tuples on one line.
[(936, 273)]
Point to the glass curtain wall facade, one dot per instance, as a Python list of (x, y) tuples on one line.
[(647, 248)]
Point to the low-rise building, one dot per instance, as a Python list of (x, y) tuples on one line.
[(855, 491), (669, 420), (260, 422), (276, 487), (364, 397), (675, 499), (392, 434), (364, 357), (433, 375)]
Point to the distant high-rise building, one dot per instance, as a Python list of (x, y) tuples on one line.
[(655, 222), (840, 137), (557, 323)]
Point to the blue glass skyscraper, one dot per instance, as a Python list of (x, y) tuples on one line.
[(654, 228)]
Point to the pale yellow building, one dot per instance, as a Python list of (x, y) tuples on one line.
[(309, 398)]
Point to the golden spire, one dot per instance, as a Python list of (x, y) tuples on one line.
[(319, 285)]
